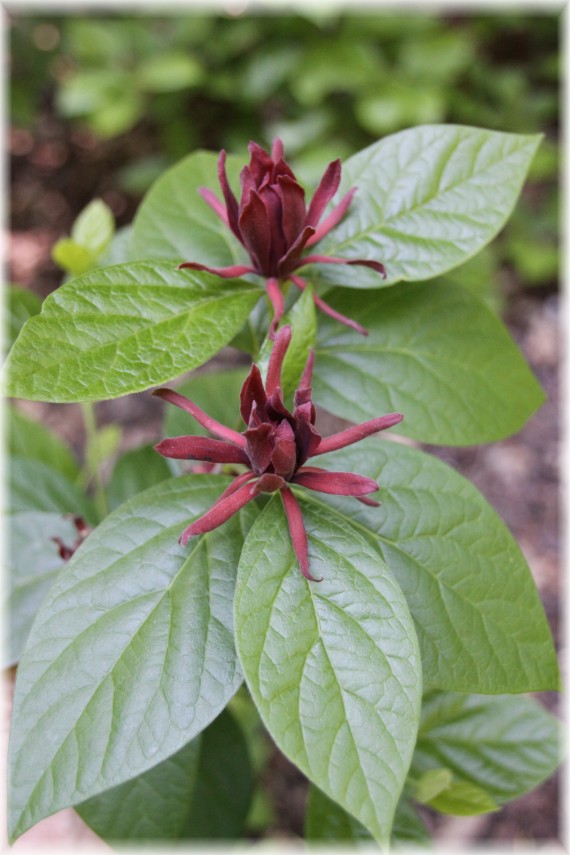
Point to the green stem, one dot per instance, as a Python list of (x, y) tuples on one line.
[(92, 443)]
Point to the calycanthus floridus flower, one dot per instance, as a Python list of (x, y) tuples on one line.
[(273, 223), (274, 448)]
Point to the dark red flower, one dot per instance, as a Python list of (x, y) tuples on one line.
[(274, 448), (273, 223)]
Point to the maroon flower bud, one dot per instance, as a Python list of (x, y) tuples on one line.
[(83, 530), (274, 448), (275, 226)]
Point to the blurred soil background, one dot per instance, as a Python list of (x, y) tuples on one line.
[(100, 106)]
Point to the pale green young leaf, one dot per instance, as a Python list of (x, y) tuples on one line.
[(131, 654), (436, 354), (72, 257), (428, 199), (333, 666), (463, 798), (123, 329), (480, 623)]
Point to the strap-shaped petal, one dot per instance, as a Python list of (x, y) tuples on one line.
[(215, 204), (328, 310), (201, 417), (230, 199), (333, 218), (329, 259), (324, 192), (201, 448), (298, 532), (220, 512), (280, 345), (233, 272), (336, 483), (358, 432)]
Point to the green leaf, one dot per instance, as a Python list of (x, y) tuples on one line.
[(503, 745), (33, 564), (333, 666), (123, 329), (173, 221), (135, 471), (463, 799), (131, 654), (21, 304), (217, 392), (33, 441), (436, 354), (325, 820), (428, 199), (94, 228), (431, 784), (201, 792), (303, 320), (480, 623), (72, 257), (35, 486)]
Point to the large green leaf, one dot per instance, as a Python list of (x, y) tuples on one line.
[(333, 666), (33, 564), (123, 329), (131, 654), (35, 486), (428, 199), (479, 619), (201, 792), (505, 745), (32, 440), (436, 354), (173, 221)]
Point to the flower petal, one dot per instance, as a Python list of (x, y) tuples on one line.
[(220, 512), (214, 203), (252, 391), (233, 272), (276, 299), (230, 199), (328, 310), (324, 193), (289, 261), (358, 432), (298, 532), (293, 206), (284, 455), (280, 345), (201, 448), (333, 218), (259, 446), (336, 483), (201, 417), (255, 232)]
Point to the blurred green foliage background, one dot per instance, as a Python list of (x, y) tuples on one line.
[(115, 99)]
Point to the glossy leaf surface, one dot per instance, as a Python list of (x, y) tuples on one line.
[(131, 654), (478, 615), (333, 666), (435, 353), (123, 329), (21, 304), (428, 199)]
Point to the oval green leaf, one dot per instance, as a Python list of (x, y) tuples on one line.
[(480, 623), (503, 745), (32, 440), (135, 471), (35, 486), (123, 329), (428, 199), (434, 352), (333, 666), (131, 655), (21, 304)]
